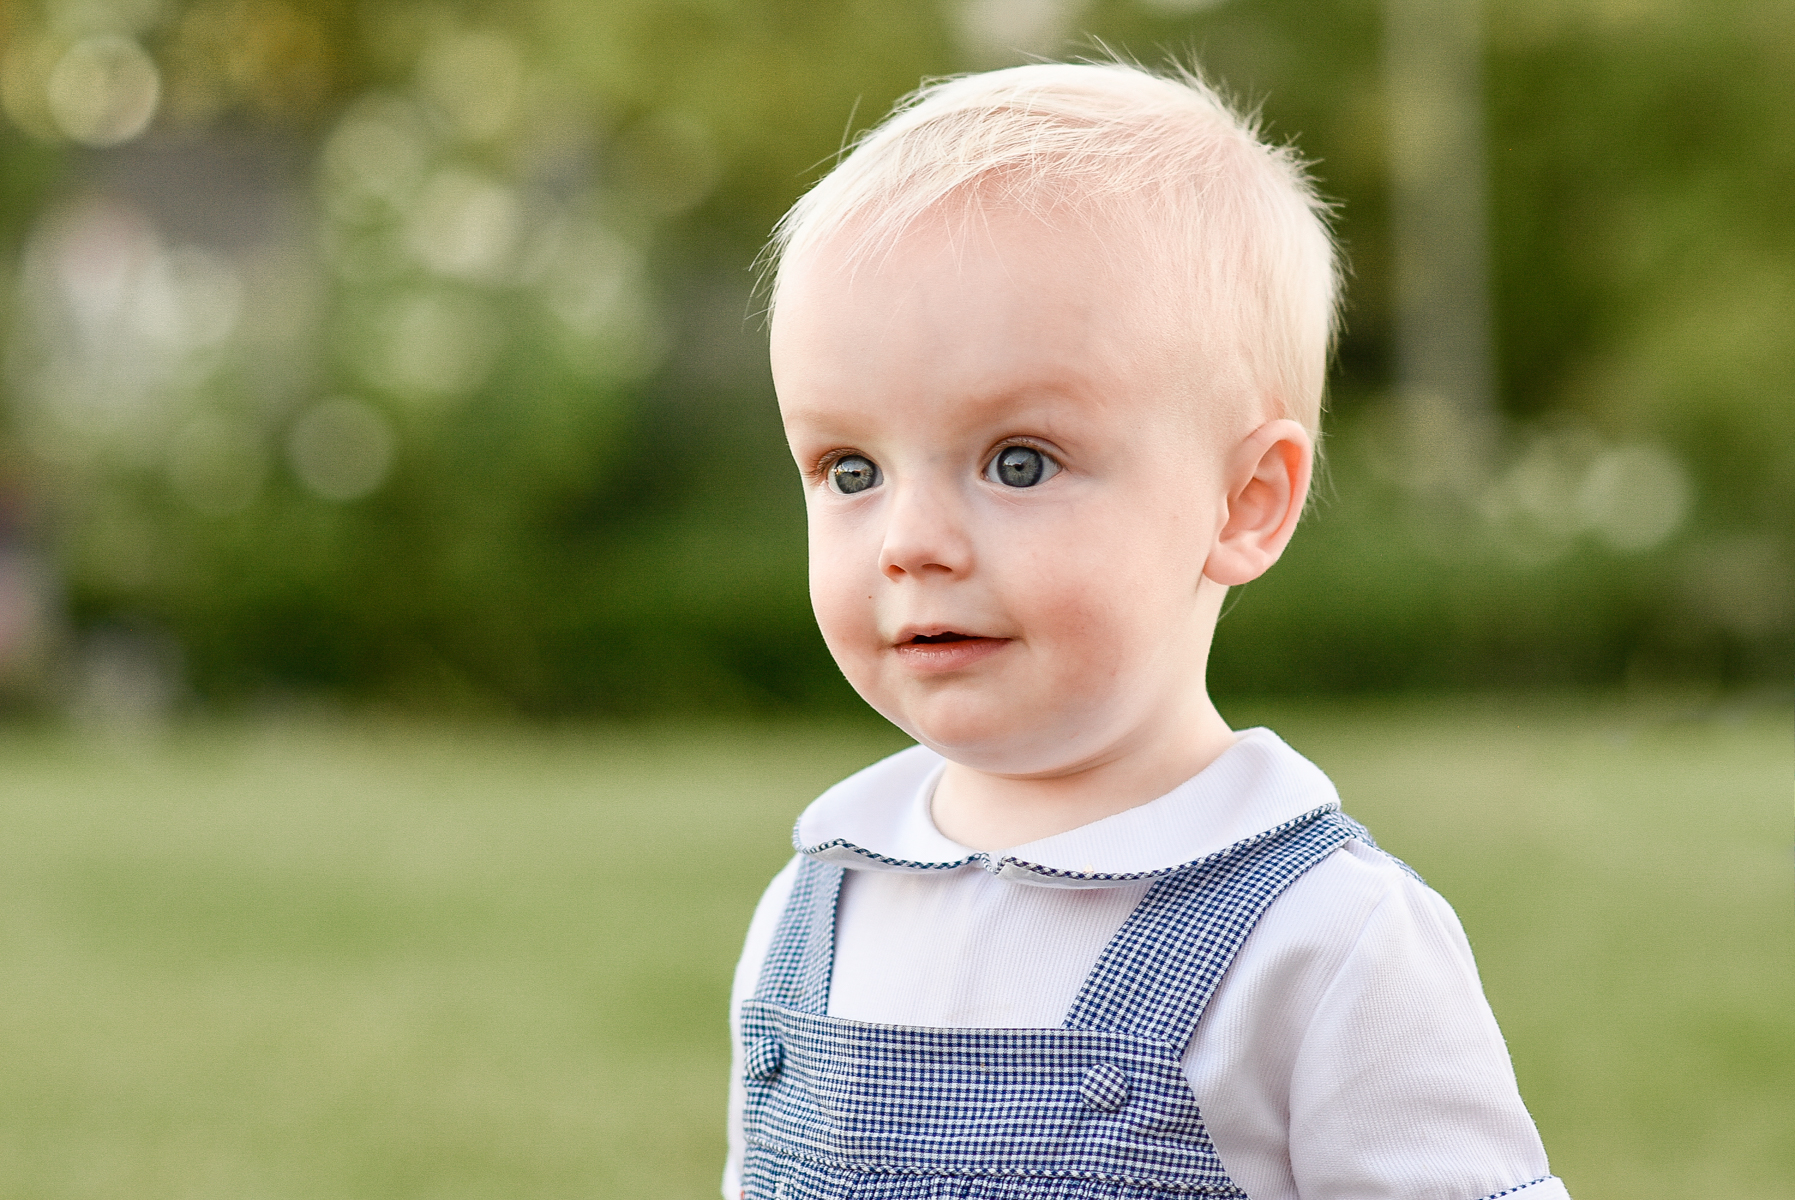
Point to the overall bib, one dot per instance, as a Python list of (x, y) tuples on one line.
[(1098, 1109)]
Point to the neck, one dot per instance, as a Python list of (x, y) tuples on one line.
[(995, 812)]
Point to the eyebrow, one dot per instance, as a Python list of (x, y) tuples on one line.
[(1041, 403)]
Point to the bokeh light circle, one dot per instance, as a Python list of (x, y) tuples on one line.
[(104, 91)]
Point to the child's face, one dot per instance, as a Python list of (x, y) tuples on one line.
[(1012, 488)]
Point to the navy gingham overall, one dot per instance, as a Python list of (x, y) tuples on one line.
[(1098, 1109)]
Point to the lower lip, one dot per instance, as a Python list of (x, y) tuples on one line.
[(947, 656)]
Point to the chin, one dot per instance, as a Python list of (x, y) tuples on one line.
[(1002, 745), (969, 734)]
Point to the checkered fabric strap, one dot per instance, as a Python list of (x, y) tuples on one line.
[(800, 959), (1156, 976)]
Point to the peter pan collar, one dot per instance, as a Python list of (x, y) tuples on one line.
[(879, 820)]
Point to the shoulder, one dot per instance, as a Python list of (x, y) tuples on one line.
[(772, 903), (879, 814), (1360, 906), (1350, 1047), (1364, 877), (760, 932), (863, 806), (1339, 956), (1371, 894)]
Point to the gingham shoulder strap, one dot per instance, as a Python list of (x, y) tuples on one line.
[(801, 956), (1156, 976)]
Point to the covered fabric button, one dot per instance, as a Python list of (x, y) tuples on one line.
[(1104, 1087), (762, 1057)]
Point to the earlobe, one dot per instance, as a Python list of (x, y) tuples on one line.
[(1267, 482)]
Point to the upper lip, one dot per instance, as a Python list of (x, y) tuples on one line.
[(911, 632)]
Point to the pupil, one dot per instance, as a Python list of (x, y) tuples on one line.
[(1020, 466), (854, 474)]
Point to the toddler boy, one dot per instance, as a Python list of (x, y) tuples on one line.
[(1049, 347)]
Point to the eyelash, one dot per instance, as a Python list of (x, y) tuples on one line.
[(820, 472), (1029, 443)]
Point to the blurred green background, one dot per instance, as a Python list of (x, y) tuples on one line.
[(409, 351), (402, 619)]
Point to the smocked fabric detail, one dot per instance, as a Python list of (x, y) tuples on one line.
[(1099, 1109)]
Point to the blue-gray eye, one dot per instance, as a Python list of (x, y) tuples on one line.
[(1020, 467), (853, 473)]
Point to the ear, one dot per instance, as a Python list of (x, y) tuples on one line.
[(1267, 479)]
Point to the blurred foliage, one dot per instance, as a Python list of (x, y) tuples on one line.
[(409, 349)]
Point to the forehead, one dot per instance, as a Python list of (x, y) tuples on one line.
[(982, 308)]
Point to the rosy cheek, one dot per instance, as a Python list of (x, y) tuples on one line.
[(1079, 615)]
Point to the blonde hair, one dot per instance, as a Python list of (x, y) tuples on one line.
[(1239, 219)]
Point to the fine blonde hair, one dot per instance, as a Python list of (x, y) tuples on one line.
[(1238, 220)]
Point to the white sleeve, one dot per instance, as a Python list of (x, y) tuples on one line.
[(1350, 1051), (747, 976)]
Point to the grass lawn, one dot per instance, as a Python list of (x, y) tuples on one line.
[(326, 959)]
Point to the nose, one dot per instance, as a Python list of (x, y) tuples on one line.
[(925, 536)]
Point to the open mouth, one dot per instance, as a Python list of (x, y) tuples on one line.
[(936, 639), (949, 650)]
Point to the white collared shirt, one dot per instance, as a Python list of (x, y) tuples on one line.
[(1348, 1052)]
